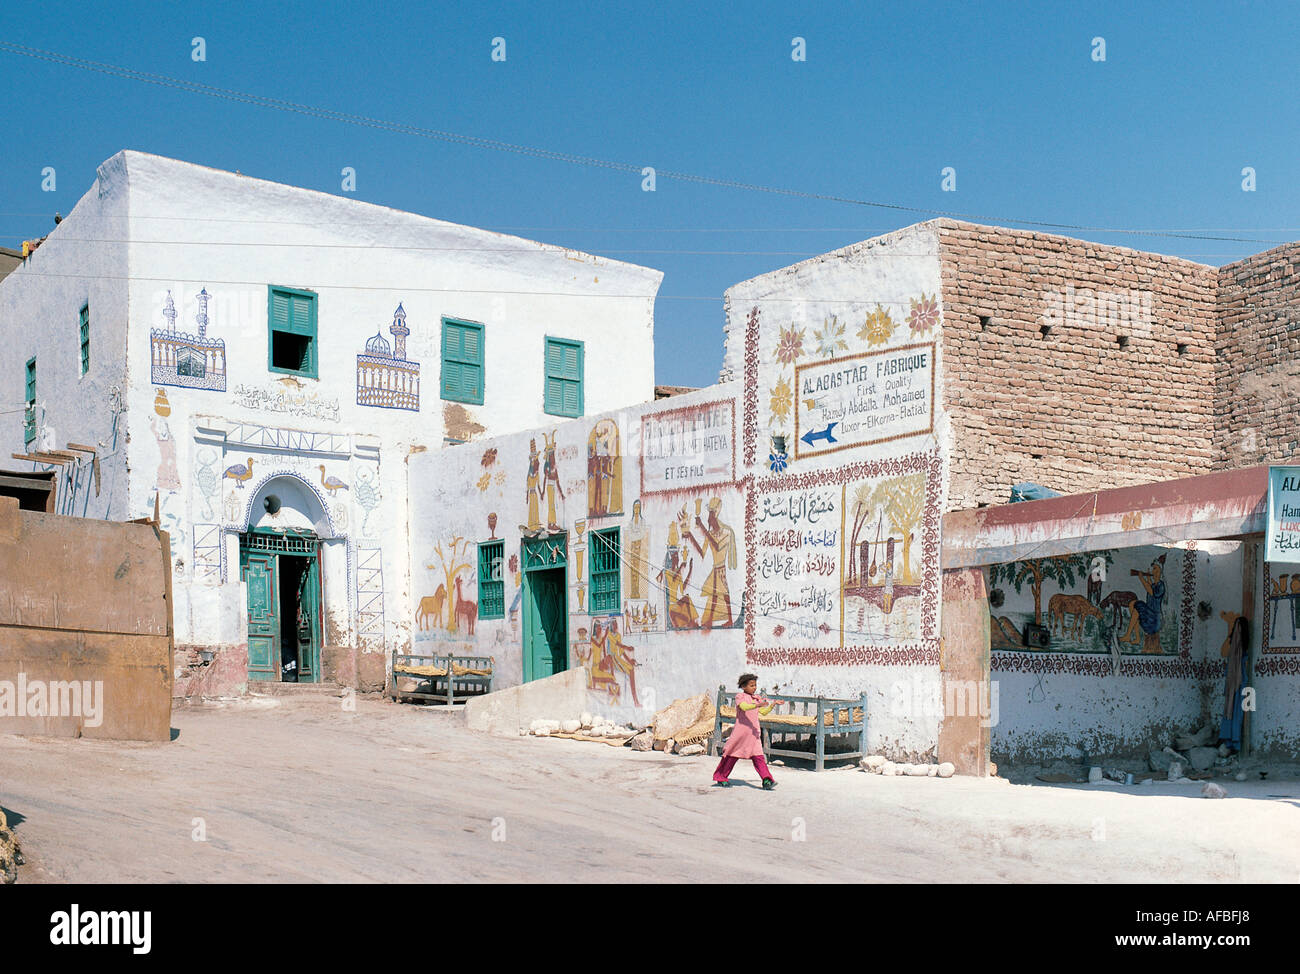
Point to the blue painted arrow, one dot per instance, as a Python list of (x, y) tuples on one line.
[(810, 437)]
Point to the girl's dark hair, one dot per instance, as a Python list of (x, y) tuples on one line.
[(745, 678)]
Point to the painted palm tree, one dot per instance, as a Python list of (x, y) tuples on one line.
[(1065, 570)]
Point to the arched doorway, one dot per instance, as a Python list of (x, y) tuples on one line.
[(279, 560)]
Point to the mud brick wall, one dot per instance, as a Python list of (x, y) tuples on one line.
[(1257, 387), (1074, 409)]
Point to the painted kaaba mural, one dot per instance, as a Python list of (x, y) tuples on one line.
[(192, 361), (385, 377)]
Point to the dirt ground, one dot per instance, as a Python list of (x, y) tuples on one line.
[(295, 788)]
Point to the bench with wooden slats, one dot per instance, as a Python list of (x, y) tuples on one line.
[(796, 717), (447, 677)]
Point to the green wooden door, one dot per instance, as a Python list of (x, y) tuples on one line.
[(545, 624), (263, 617), (309, 623)]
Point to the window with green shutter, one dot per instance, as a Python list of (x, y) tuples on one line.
[(604, 571), (29, 414), (491, 587), (462, 361), (85, 339), (291, 331), (563, 392)]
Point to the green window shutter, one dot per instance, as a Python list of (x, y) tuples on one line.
[(85, 339), (604, 580), (462, 361), (279, 310), (29, 413), (294, 313), (562, 393), (491, 586)]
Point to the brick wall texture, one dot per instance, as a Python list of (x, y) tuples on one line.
[(1257, 390), (1075, 365)]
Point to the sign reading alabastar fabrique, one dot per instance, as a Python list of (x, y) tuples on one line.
[(1283, 539), (858, 400)]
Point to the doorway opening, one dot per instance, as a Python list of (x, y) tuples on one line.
[(546, 617), (282, 572)]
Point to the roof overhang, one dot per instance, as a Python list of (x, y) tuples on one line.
[(1230, 504)]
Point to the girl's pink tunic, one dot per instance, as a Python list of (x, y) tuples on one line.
[(746, 740)]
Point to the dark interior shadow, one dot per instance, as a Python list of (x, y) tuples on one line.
[(176, 732)]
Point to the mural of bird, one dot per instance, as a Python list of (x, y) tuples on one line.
[(332, 484), (240, 473)]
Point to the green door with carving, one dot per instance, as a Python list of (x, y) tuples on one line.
[(546, 619), (281, 570), (263, 617)]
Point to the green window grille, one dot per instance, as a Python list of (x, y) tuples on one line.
[(491, 587), (287, 543), (604, 571), (563, 390), (291, 331), (84, 320), (462, 361), (29, 413)]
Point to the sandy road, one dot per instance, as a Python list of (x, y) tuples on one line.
[(297, 789)]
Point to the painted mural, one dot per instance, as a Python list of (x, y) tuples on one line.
[(543, 485), (448, 610), (385, 377), (700, 570), (1104, 605), (604, 470), (845, 564), (192, 361)]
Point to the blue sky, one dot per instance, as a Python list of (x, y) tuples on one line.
[(1154, 138)]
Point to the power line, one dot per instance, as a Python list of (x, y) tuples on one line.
[(404, 288), (513, 250), (878, 231), (498, 145)]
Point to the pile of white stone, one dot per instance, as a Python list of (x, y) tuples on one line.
[(879, 764), (588, 725)]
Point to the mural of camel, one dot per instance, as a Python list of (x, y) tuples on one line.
[(431, 607), (1061, 606), (466, 610)]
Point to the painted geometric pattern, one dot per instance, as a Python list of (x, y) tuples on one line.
[(209, 553), (370, 592), (281, 438)]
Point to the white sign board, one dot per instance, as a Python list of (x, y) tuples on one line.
[(858, 400), (688, 449), (1283, 537)]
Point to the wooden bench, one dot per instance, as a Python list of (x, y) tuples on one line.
[(794, 717), (459, 676)]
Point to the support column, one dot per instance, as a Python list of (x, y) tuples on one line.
[(964, 666)]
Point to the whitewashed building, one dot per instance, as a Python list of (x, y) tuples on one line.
[(260, 360)]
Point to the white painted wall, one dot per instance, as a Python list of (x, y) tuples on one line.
[(1275, 732), (786, 603), (153, 226), (817, 297), (1048, 710), (81, 261)]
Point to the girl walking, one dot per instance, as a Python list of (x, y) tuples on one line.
[(746, 739)]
